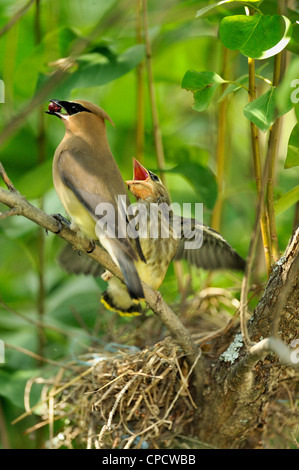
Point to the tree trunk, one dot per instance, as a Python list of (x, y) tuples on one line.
[(238, 388)]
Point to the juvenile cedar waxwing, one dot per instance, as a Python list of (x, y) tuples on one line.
[(85, 174), (214, 252)]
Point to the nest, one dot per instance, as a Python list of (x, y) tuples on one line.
[(127, 400), (130, 397)]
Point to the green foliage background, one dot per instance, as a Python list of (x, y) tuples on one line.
[(105, 73)]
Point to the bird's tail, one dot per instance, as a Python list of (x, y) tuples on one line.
[(117, 298), (126, 264)]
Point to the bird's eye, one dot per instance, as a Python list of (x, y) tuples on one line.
[(153, 176)]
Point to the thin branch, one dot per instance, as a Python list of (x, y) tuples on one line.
[(37, 356), (272, 151), (156, 125), (140, 89), (40, 324), (16, 18), (221, 146), (41, 152), (240, 376), (5, 215), (5, 443), (273, 345), (6, 179), (250, 257)]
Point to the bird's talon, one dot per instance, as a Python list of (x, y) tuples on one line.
[(62, 221), (92, 247), (107, 275)]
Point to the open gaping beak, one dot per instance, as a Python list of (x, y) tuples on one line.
[(141, 185)]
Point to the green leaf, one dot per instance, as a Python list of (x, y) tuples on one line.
[(287, 93), (207, 8), (257, 36), (95, 70), (98, 72), (12, 386), (293, 45), (203, 85), (265, 109), (261, 111), (287, 200), (35, 183), (293, 150), (202, 179)]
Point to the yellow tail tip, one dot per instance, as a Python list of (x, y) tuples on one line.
[(122, 313)]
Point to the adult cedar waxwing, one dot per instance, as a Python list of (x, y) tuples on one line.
[(85, 174), (214, 251)]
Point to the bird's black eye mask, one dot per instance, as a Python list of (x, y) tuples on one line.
[(56, 107)]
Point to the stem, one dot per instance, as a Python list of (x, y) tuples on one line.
[(156, 125), (237, 83), (258, 169), (41, 157), (272, 151), (250, 257), (221, 147), (16, 18), (140, 90), (5, 443), (266, 80), (41, 152)]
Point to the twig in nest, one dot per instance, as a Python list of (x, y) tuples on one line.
[(107, 426), (164, 419)]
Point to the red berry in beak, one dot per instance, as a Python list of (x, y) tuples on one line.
[(53, 107)]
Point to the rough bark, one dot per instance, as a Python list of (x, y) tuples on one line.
[(237, 394)]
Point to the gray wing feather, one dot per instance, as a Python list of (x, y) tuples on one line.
[(214, 253), (78, 263)]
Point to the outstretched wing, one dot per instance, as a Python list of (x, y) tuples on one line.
[(73, 261), (214, 253)]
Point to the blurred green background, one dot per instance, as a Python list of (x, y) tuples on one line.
[(31, 282)]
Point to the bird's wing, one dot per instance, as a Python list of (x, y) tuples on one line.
[(211, 250), (99, 187), (73, 261), (103, 185)]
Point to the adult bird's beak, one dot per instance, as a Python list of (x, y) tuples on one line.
[(56, 108), (141, 186)]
